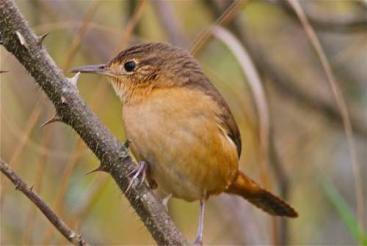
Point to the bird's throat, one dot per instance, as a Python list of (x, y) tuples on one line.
[(130, 93)]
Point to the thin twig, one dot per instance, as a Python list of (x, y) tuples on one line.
[(59, 224), (39, 171), (226, 16), (130, 11), (253, 79), (260, 102), (64, 184), (340, 101), (131, 25), (113, 155)]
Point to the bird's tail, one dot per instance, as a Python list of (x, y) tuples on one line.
[(261, 198)]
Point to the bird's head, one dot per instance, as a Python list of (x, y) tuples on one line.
[(145, 67)]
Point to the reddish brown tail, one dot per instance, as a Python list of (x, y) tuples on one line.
[(261, 198)]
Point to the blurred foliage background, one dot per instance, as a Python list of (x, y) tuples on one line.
[(308, 159)]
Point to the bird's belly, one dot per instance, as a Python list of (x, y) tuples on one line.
[(189, 156)]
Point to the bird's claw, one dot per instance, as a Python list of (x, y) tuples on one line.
[(138, 173)]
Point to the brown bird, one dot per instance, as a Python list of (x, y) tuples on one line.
[(180, 128)]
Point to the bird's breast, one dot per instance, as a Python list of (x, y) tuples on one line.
[(178, 132)]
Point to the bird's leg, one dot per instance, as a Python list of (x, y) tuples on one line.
[(151, 182), (140, 170), (199, 237)]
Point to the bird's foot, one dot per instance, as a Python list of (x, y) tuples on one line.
[(198, 241), (139, 173)]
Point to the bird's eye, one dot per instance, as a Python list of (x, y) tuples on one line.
[(129, 66)]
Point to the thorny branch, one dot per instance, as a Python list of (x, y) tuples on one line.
[(19, 40), (59, 224)]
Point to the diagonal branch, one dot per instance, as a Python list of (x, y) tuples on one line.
[(19, 40), (59, 224)]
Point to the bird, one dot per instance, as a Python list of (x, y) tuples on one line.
[(180, 128)]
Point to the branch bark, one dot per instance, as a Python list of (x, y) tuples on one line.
[(59, 224), (18, 39)]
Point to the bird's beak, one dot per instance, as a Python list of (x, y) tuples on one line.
[(97, 69)]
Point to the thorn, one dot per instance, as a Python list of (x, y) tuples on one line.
[(72, 235), (21, 39), (98, 169), (74, 79), (31, 187), (41, 38), (55, 118), (165, 201), (63, 100)]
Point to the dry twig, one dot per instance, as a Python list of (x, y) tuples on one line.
[(132, 23), (253, 79), (59, 224), (224, 17)]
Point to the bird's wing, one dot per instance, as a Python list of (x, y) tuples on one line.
[(230, 126), (193, 77), (227, 120)]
